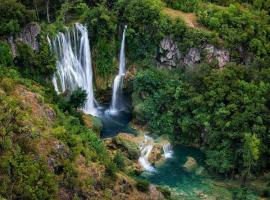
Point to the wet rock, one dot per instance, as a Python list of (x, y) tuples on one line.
[(129, 144), (193, 57), (156, 153), (169, 53), (190, 165)]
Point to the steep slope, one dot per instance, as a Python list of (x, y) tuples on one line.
[(46, 154)]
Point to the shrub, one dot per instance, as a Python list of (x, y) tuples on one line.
[(184, 5), (78, 98), (119, 160), (142, 185), (13, 16), (5, 55)]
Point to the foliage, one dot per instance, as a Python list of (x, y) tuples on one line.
[(241, 38), (184, 5), (142, 185), (143, 18), (36, 65), (78, 98), (220, 109), (5, 55), (13, 16), (119, 160)]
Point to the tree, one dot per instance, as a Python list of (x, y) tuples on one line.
[(78, 98)]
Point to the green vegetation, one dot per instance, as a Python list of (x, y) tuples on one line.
[(13, 16), (45, 147)]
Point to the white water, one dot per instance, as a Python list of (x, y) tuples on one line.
[(118, 81), (167, 150), (74, 65), (146, 147)]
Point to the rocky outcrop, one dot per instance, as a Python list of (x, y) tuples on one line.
[(221, 55), (29, 36), (192, 57), (169, 54), (190, 165), (209, 53)]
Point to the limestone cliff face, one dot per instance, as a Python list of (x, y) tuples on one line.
[(170, 56), (29, 36)]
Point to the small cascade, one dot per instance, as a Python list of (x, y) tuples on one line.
[(167, 150), (74, 64), (146, 147), (118, 81)]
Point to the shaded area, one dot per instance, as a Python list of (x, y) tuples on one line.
[(115, 123)]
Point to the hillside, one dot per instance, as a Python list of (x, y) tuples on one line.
[(134, 99)]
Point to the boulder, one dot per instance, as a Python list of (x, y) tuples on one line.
[(154, 193), (29, 35), (190, 165), (193, 57), (169, 54), (129, 144), (156, 153), (221, 55)]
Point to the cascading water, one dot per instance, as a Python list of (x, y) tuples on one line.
[(74, 65), (118, 81), (167, 150), (146, 147)]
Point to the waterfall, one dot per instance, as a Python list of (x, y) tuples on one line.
[(74, 65), (167, 150), (118, 81), (146, 147)]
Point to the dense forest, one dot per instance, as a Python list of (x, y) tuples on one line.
[(198, 71)]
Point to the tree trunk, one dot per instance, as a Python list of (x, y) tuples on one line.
[(48, 11), (37, 14)]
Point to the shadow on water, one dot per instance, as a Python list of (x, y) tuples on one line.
[(115, 122)]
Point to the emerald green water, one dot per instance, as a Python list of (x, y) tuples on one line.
[(171, 174)]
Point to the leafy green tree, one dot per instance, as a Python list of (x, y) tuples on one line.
[(5, 55), (78, 98), (13, 16)]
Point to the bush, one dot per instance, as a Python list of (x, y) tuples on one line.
[(119, 160), (142, 185), (5, 55), (78, 98), (38, 66), (184, 5), (13, 16)]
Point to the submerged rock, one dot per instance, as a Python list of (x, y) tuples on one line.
[(190, 165)]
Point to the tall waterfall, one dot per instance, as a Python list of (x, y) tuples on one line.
[(74, 65), (118, 81), (146, 147), (167, 150)]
